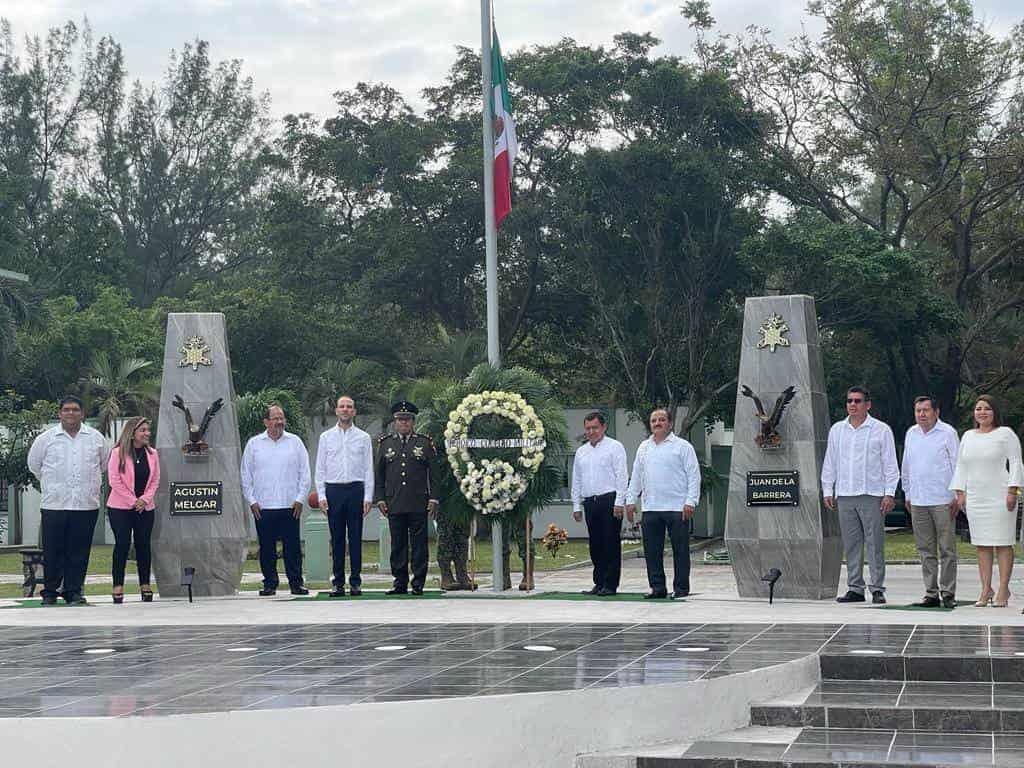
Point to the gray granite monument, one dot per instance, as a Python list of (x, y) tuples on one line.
[(201, 519), (776, 517)]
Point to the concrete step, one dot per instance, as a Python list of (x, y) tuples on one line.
[(849, 748), (922, 706)]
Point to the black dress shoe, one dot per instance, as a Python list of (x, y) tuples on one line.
[(851, 597), (397, 591), (679, 594), (49, 600), (299, 591), (338, 592), (592, 591), (76, 600), (605, 592), (949, 601), (268, 592), (417, 590), (657, 595), (355, 591), (878, 597), (929, 602)]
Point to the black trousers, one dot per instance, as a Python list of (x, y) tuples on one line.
[(604, 531), (653, 526), (409, 531), (280, 524), (67, 538), (345, 516), (126, 523)]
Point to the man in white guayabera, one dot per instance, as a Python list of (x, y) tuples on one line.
[(666, 475), (929, 461), (859, 479), (599, 479)]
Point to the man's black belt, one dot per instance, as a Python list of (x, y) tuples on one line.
[(344, 485), (599, 496)]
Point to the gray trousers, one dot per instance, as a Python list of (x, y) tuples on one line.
[(862, 526), (935, 526)]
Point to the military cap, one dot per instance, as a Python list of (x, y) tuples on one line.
[(404, 408)]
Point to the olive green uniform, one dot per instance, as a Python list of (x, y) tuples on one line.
[(405, 476)]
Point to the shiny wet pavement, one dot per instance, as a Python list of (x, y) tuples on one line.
[(133, 671)]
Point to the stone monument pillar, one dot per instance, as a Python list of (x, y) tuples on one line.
[(776, 517), (201, 520)]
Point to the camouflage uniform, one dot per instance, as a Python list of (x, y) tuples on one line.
[(453, 547), (517, 533)]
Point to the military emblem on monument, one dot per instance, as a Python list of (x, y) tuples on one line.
[(197, 447), (773, 333), (195, 352), (768, 438)]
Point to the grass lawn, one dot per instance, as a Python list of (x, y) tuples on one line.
[(574, 552), (899, 545)]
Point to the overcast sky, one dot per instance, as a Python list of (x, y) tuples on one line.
[(301, 51)]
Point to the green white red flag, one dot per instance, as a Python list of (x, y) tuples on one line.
[(504, 135)]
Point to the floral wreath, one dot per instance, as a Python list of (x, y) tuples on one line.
[(493, 486)]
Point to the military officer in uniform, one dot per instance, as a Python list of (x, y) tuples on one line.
[(405, 479)]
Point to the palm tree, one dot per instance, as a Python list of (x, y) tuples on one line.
[(19, 304), (116, 389), (461, 352), (360, 378)]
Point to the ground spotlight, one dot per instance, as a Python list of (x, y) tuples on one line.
[(771, 577), (187, 574)]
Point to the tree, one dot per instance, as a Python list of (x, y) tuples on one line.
[(115, 389), (659, 221), (905, 116), (867, 294), (44, 102), (177, 168), (19, 425)]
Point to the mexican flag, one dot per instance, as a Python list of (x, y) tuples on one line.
[(504, 136)]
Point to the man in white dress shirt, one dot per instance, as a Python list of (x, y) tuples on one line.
[(68, 460), (275, 481), (929, 460), (599, 480), (859, 478), (344, 486), (666, 475)]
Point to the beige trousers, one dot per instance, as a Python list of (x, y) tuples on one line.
[(934, 528)]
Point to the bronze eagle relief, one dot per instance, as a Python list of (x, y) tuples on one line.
[(768, 437), (197, 445)]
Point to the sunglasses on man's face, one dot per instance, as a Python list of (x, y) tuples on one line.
[(850, 400)]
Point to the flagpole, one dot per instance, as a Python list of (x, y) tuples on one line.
[(491, 242)]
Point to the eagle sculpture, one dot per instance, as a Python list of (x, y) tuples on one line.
[(196, 445), (769, 436)]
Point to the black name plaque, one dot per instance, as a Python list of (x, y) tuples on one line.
[(773, 489), (205, 498)]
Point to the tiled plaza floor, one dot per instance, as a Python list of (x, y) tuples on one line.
[(111, 671)]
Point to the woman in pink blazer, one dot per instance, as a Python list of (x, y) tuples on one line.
[(134, 472)]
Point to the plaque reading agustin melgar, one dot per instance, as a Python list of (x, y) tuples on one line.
[(773, 489), (196, 498)]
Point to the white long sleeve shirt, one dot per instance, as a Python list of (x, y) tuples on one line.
[(69, 468), (860, 461), (344, 456), (597, 470), (666, 475), (275, 473), (929, 461)]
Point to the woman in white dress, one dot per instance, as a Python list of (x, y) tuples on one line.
[(987, 480)]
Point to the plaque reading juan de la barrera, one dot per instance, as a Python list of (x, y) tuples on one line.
[(196, 498), (773, 489)]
